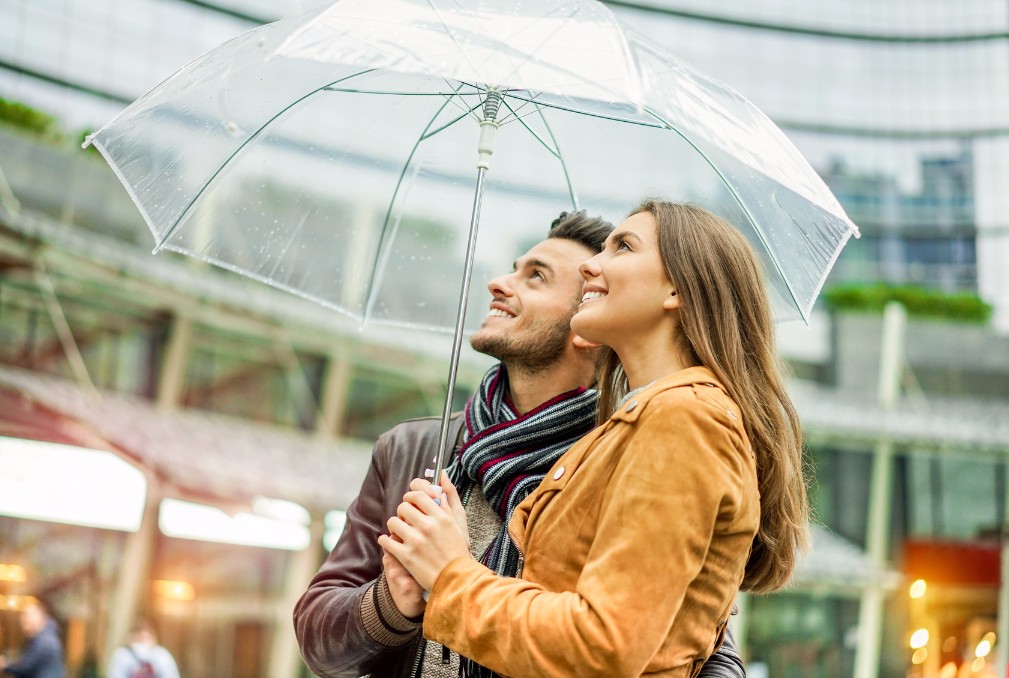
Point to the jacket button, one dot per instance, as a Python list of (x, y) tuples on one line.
[(558, 473), (634, 403)]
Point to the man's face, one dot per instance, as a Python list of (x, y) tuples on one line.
[(33, 620), (528, 327)]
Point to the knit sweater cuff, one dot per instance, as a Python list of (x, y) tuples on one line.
[(382, 619)]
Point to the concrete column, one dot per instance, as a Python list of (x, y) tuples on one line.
[(134, 575), (991, 204), (335, 390), (285, 658), (870, 612), (173, 368), (1002, 621)]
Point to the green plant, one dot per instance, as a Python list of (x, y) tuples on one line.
[(29, 119), (921, 302)]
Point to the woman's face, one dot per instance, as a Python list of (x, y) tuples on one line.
[(626, 296)]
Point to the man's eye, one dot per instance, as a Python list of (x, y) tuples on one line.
[(538, 275)]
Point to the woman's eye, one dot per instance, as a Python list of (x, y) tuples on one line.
[(622, 245)]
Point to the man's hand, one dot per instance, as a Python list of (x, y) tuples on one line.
[(406, 592)]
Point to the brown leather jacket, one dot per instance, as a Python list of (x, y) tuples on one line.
[(328, 618)]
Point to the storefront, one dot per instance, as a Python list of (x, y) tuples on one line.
[(104, 528), (953, 607)]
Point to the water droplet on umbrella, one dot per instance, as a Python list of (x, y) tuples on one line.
[(233, 129)]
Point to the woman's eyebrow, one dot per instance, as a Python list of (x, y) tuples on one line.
[(618, 235)]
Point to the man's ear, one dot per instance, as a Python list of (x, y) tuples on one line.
[(582, 344), (671, 302)]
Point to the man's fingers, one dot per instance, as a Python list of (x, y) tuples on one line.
[(394, 548)]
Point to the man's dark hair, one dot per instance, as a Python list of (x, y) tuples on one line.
[(583, 229)]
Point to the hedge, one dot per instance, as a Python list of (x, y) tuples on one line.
[(920, 302)]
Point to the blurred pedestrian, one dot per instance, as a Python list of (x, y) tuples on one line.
[(142, 657), (42, 656)]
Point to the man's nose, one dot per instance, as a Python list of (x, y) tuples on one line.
[(500, 286)]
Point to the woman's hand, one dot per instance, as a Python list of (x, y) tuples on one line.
[(427, 534), (445, 491)]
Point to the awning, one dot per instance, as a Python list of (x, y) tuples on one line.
[(193, 454), (835, 563)]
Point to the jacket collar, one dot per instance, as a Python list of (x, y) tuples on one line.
[(690, 376)]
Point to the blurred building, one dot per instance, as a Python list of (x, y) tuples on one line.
[(242, 406)]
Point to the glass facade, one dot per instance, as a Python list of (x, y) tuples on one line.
[(901, 106)]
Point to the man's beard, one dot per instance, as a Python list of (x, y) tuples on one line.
[(539, 347)]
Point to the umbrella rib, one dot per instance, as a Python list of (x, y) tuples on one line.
[(456, 94), (428, 135), (515, 111), (560, 157), (528, 55), (449, 97), (448, 32), (383, 245), (569, 109), (746, 210), (531, 55), (203, 189), (553, 151)]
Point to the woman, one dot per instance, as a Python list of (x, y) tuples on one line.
[(637, 541)]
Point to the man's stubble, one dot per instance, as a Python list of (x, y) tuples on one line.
[(539, 347)]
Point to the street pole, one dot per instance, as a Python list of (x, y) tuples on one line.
[(1002, 622), (870, 613)]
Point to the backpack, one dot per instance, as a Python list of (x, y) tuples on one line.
[(144, 668)]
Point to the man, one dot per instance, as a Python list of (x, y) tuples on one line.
[(42, 656), (143, 656), (358, 617)]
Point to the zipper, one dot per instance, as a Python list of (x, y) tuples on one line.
[(418, 657)]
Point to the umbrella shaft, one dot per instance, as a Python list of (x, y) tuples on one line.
[(444, 444)]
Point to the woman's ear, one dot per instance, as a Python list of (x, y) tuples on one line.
[(671, 302)]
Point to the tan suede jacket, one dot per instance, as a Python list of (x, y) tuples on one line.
[(635, 546)]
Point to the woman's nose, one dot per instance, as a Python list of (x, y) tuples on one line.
[(589, 268)]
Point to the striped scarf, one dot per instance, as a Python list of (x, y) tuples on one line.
[(508, 455)]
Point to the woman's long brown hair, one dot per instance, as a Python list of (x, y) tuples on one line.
[(726, 325)]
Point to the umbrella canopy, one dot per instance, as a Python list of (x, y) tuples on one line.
[(333, 154)]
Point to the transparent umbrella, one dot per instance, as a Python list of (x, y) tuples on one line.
[(347, 155)]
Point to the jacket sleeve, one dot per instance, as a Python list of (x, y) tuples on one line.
[(338, 621), (679, 477), (725, 662), (40, 655)]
